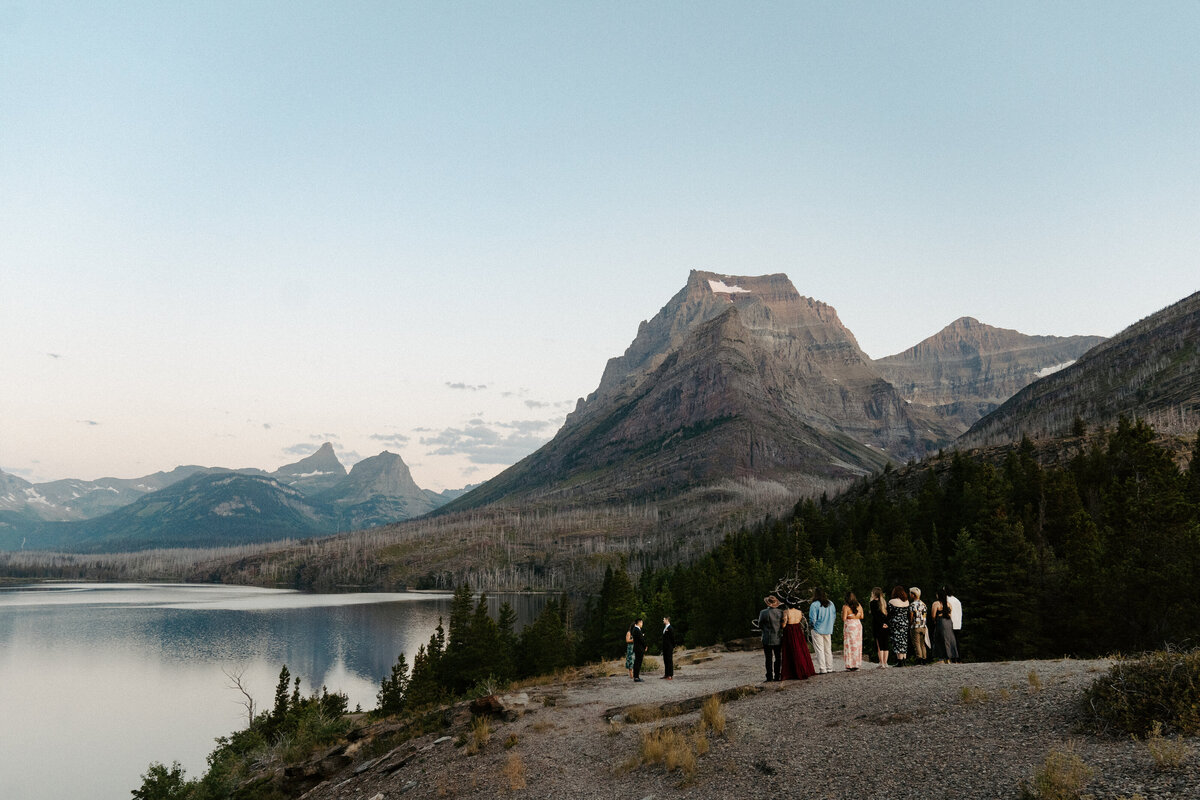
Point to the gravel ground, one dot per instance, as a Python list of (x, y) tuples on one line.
[(889, 734)]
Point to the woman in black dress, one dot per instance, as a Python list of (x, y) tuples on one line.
[(879, 626)]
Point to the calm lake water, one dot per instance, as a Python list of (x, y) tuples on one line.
[(98, 680)]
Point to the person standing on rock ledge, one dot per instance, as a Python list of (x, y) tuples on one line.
[(770, 622), (668, 650), (639, 649), (821, 615)]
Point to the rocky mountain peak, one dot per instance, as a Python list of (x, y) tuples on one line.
[(968, 368)]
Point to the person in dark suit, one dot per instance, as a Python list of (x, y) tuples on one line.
[(668, 650), (770, 622), (639, 649)]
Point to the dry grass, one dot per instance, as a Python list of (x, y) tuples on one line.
[(511, 741), (972, 694), (1062, 777), (712, 715), (672, 749), (542, 725), (635, 715), (1035, 680), (481, 732), (514, 771), (1167, 753)]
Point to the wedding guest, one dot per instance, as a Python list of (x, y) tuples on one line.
[(947, 645), (796, 662), (770, 622), (920, 631), (879, 626), (821, 615), (956, 619), (639, 649), (852, 614), (668, 650), (899, 625), (629, 651)]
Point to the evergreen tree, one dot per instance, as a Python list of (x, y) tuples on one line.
[(280, 709), (393, 688), (545, 646)]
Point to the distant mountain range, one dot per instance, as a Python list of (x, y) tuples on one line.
[(743, 376), (207, 507), (735, 377)]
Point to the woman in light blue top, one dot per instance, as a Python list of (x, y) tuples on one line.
[(821, 615)]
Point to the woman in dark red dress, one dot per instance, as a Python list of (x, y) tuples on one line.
[(797, 663)]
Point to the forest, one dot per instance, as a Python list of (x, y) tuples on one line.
[(1094, 556)]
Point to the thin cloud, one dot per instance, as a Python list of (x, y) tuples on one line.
[(466, 386), (89, 422), (495, 443), (536, 404), (302, 449), (54, 355), (394, 439)]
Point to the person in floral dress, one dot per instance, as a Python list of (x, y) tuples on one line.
[(852, 615)]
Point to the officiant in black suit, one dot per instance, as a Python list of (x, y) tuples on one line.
[(639, 649), (668, 650)]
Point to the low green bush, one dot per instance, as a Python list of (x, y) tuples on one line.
[(1162, 687)]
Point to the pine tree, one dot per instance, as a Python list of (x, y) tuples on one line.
[(393, 688), (280, 709)]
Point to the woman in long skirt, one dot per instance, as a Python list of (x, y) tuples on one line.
[(797, 663), (852, 614), (947, 645)]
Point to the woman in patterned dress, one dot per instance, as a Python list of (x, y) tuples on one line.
[(920, 631), (899, 623), (852, 614)]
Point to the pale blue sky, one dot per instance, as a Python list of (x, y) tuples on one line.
[(229, 231)]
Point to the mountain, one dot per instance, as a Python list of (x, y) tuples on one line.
[(1150, 370), (968, 369), (312, 474), (208, 507), (205, 510), (735, 376), (377, 491)]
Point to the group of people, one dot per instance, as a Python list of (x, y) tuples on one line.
[(901, 624)]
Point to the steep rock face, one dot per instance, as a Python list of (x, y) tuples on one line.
[(735, 376), (1150, 370), (315, 473), (968, 368), (811, 361), (377, 491)]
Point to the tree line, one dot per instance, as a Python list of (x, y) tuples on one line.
[(1094, 556)]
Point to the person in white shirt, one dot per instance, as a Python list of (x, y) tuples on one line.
[(955, 620)]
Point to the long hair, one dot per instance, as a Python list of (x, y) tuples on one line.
[(820, 597), (900, 593), (877, 594), (944, 599), (852, 601)]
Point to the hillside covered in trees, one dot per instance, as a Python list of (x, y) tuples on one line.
[(1095, 555)]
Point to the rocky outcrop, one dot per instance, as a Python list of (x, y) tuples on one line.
[(968, 369), (315, 473), (377, 491)]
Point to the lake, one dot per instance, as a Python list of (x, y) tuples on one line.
[(98, 680)]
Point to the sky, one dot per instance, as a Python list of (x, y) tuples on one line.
[(231, 231)]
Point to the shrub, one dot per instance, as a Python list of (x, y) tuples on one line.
[(1162, 687), (1035, 680), (1167, 753), (1062, 777), (162, 783)]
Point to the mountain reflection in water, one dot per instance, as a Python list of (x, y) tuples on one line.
[(98, 680)]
